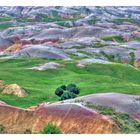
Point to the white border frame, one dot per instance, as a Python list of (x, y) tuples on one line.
[(71, 137)]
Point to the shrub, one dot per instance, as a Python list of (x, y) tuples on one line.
[(51, 129), (59, 91), (110, 57), (132, 55), (28, 131), (2, 129), (137, 125), (68, 95)]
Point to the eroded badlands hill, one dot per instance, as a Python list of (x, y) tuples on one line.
[(106, 33), (70, 118)]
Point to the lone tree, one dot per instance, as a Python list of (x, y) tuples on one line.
[(67, 92)]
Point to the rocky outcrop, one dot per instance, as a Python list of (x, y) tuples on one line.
[(14, 89), (69, 117), (46, 66), (84, 62), (13, 49)]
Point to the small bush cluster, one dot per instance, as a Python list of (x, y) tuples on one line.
[(28, 131), (110, 57), (2, 129), (132, 56), (114, 38), (50, 128), (120, 21), (124, 121), (67, 92)]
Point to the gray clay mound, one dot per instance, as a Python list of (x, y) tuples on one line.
[(40, 51), (119, 102)]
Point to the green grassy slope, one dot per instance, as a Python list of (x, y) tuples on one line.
[(40, 85)]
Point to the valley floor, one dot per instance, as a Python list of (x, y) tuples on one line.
[(40, 85)]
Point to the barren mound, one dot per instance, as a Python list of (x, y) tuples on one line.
[(41, 51), (46, 66), (119, 102), (70, 118)]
